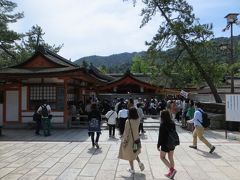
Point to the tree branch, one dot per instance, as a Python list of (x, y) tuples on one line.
[(10, 54)]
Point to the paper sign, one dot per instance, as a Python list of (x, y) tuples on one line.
[(233, 107)]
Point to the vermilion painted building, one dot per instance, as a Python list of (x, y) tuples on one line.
[(48, 76)]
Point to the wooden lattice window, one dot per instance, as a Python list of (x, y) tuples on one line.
[(40, 93), (43, 93)]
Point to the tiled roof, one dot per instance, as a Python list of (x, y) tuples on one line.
[(63, 64), (49, 55), (161, 81), (93, 70), (58, 59), (35, 71)]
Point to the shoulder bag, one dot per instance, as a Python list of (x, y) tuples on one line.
[(136, 143), (173, 139)]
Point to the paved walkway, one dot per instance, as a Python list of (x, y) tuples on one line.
[(67, 154)]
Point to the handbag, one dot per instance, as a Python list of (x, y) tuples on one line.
[(173, 139), (136, 143)]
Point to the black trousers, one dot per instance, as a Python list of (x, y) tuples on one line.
[(178, 115), (141, 128), (122, 122), (92, 137), (111, 129), (38, 126)]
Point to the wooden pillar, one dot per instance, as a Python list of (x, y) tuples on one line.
[(4, 105), (20, 101), (65, 100)]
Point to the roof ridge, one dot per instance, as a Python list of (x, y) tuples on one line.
[(47, 51)]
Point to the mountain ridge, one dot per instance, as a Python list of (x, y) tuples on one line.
[(112, 62)]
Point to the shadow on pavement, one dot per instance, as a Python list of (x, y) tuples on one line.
[(66, 135), (214, 155)]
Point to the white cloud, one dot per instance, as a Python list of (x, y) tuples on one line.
[(103, 27)]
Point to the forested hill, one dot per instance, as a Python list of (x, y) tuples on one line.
[(119, 63), (115, 63)]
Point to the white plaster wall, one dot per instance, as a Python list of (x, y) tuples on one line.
[(24, 98), (1, 114), (12, 106), (57, 120)]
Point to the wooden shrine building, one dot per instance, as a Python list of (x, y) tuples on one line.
[(48, 76), (45, 76)]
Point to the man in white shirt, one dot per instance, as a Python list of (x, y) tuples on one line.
[(111, 116), (122, 116), (199, 129), (45, 111)]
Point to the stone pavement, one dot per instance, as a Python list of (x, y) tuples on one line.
[(67, 154)]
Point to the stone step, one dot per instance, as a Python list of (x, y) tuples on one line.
[(104, 125), (148, 123)]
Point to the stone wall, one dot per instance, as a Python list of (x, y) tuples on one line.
[(216, 112), (205, 97)]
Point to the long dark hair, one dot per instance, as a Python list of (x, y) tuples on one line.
[(94, 107), (165, 117), (132, 113)]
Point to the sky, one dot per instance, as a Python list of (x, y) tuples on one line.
[(106, 27)]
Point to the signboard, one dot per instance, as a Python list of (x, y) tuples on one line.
[(233, 107), (184, 93)]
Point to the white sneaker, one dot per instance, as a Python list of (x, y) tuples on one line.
[(141, 166), (132, 171)]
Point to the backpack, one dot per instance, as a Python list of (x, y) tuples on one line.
[(44, 111), (36, 117), (205, 120)]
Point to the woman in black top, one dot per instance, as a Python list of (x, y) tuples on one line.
[(166, 125), (94, 124)]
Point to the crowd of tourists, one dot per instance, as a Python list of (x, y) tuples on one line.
[(128, 116)]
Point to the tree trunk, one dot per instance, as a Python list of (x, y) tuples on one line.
[(195, 61)]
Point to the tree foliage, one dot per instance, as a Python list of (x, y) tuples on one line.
[(181, 29), (30, 42), (7, 36), (140, 65), (16, 47)]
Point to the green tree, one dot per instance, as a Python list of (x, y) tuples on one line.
[(7, 36), (140, 65), (184, 73), (30, 42), (136, 64), (179, 28)]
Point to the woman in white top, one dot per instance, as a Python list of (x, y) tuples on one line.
[(111, 116)]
